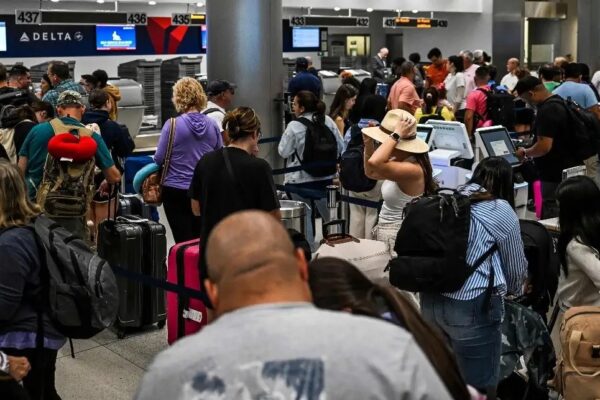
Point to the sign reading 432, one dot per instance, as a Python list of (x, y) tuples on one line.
[(28, 17)]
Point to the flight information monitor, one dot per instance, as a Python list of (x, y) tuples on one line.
[(497, 143), (305, 37), (115, 37), (2, 36)]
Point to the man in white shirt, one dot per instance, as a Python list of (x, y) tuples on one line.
[(510, 80), (469, 72), (220, 96)]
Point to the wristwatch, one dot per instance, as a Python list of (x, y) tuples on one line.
[(395, 136), (4, 365)]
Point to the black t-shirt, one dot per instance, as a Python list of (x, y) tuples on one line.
[(219, 195), (552, 121)]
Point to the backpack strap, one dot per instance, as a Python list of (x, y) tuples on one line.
[(212, 110), (60, 127), (308, 124), (439, 110)]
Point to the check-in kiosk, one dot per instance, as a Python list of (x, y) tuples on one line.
[(331, 82), (451, 152), (425, 132), (495, 141)]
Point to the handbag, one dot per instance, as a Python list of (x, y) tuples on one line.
[(152, 185)]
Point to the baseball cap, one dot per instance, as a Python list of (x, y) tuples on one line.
[(69, 98), (217, 87)]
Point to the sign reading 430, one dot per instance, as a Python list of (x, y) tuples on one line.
[(28, 17)]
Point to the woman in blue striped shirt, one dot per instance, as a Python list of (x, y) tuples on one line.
[(472, 325)]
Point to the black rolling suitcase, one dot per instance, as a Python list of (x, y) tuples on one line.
[(138, 246), (132, 204)]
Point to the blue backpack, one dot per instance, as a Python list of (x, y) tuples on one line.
[(352, 168)]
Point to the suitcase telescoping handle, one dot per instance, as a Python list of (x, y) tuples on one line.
[(113, 189)]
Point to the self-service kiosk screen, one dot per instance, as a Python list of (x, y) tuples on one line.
[(305, 37), (2, 36), (115, 37), (498, 143), (451, 135), (204, 37), (424, 132)]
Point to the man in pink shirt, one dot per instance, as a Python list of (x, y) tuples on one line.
[(476, 110), (469, 72), (403, 94)]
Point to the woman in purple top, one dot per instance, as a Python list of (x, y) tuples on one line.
[(195, 136), (20, 285)]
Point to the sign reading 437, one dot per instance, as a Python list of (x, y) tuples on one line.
[(28, 17)]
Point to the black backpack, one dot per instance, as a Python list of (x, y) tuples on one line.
[(543, 266), (432, 245), (81, 295), (435, 116), (352, 167), (585, 128), (500, 108), (320, 149)]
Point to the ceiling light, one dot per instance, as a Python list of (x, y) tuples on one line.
[(55, 1), (199, 4), (100, 1), (152, 3), (336, 8), (415, 11), (369, 9)]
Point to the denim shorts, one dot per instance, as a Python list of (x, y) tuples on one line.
[(474, 334)]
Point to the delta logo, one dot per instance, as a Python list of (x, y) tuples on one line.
[(51, 37)]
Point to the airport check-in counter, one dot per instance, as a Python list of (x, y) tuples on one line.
[(131, 112), (331, 83)]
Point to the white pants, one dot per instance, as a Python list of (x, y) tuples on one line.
[(363, 219)]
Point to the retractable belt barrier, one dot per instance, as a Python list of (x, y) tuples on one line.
[(304, 192)]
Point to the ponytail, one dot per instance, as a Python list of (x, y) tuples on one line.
[(312, 104)]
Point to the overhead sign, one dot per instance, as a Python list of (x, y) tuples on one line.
[(38, 17), (188, 19), (313, 20), (421, 23)]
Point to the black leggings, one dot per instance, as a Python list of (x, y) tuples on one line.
[(39, 383), (184, 224)]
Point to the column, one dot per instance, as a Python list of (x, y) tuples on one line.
[(507, 31), (245, 46)]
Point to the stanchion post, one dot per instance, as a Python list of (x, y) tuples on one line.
[(344, 212), (333, 198)]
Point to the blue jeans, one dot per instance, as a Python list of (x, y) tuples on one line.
[(474, 334)]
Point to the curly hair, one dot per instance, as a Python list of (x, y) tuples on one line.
[(188, 93)]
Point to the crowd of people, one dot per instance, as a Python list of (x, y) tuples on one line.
[(282, 325)]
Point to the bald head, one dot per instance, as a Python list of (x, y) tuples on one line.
[(512, 64), (252, 260), (383, 52)]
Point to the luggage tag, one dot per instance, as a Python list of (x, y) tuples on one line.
[(193, 315)]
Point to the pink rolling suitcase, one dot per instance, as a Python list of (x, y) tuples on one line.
[(185, 316)]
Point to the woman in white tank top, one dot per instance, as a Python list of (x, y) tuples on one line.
[(402, 161)]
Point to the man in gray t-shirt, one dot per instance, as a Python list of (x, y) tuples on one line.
[(269, 342)]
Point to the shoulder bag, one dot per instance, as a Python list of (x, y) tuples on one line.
[(152, 185)]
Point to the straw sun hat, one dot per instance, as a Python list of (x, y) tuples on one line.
[(409, 143)]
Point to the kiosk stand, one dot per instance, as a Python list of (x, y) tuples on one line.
[(451, 152), (496, 142)]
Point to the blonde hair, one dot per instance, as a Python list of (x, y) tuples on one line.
[(188, 93), (15, 207)]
